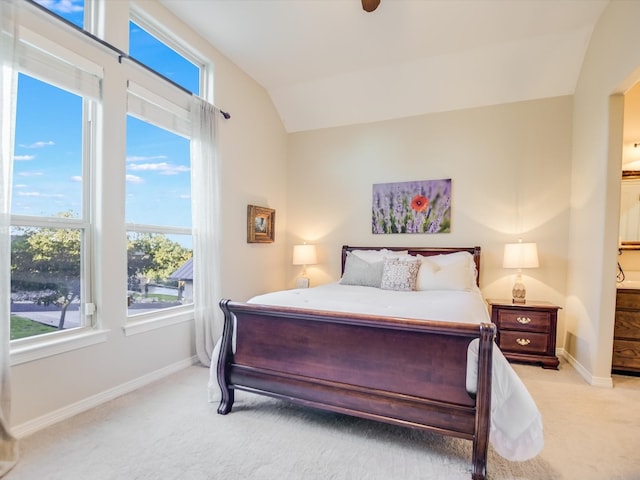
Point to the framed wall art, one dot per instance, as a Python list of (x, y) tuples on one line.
[(412, 207), (261, 223)]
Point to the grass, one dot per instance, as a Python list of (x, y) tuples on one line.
[(160, 297), (22, 327), (163, 297)]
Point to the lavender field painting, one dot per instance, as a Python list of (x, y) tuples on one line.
[(412, 207)]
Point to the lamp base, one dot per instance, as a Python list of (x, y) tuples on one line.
[(302, 282), (518, 293)]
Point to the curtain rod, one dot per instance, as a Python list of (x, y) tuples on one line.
[(115, 49), (121, 55)]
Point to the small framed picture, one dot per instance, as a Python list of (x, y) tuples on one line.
[(261, 223)]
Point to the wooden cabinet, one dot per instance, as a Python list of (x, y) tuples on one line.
[(626, 333), (526, 331)]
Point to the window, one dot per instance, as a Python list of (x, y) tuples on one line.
[(70, 10), (46, 280), (158, 217), (158, 175), (157, 55), (58, 128), (47, 172), (49, 272)]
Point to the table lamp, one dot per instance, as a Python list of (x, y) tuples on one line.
[(304, 255), (520, 255)]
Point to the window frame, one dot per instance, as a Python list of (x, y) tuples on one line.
[(165, 105), (35, 47), (162, 316), (158, 31)]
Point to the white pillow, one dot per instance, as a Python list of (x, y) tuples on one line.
[(372, 256), (451, 271)]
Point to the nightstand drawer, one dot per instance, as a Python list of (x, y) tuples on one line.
[(524, 320), (523, 342)]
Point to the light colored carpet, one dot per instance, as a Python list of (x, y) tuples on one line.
[(169, 431)]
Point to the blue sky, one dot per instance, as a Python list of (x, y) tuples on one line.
[(48, 151)]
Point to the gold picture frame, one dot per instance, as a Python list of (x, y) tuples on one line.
[(261, 224)]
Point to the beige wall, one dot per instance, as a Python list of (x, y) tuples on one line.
[(510, 170), (610, 68), (570, 210)]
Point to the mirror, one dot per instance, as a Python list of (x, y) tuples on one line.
[(630, 210)]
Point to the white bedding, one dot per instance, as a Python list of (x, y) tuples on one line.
[(449, 305), (516, 424)]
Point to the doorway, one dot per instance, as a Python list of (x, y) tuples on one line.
[(626, 337)]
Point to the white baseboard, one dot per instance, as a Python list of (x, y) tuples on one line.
[(606, 382), (32, 426)]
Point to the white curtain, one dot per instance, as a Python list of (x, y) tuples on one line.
[(205, 191), (8, 91)]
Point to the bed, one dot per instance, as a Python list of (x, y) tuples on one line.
[(403, 337)]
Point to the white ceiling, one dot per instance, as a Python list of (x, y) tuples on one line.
[(327, 62)]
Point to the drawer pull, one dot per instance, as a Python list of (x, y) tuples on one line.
[(523, 341), (523, 320)]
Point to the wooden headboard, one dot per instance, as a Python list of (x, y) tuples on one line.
[(424, 251)]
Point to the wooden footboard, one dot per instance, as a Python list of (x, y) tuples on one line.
[(401, 371)]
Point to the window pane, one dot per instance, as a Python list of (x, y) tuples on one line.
[(47, 177), (159, 271), (158, 176), (71, 10), (45, 280), (156, 55)]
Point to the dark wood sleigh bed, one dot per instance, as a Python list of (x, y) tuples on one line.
[(396, 370)]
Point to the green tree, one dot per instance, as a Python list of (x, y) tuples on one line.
[(47, 261), (154, 256)]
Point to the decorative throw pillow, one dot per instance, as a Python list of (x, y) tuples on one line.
[(360, 272), (400, 274)]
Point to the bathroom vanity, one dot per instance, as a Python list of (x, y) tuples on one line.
[(626, 335)]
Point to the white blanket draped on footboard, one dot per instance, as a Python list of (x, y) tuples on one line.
[(516, 424)]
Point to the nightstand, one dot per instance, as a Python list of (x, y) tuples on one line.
[(526, 331)]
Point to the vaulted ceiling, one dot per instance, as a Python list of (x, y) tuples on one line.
[(328, 62)]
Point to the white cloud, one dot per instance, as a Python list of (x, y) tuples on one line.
[(23, 158), (145, 159), (162, 168), (39, 144), (30, 174), (76, 178), (134, 179), (40, 194)]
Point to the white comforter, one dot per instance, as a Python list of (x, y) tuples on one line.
[(516, 424)]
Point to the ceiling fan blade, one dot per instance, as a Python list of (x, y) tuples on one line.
[(370, 5)]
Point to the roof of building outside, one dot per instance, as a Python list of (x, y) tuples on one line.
[(184, 272)]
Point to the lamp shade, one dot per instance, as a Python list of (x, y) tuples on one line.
[(304, 255), (520, 255)]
